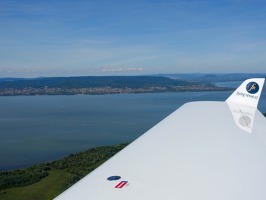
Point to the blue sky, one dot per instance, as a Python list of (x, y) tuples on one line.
[(130, 37)]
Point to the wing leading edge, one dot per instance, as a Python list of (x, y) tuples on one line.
[(198, 152)]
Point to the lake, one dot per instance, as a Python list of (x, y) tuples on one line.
[(36, 129)]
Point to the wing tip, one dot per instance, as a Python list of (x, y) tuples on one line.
[(248, 93)]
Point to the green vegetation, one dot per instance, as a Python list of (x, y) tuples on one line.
[(46, 181), (22, 177)]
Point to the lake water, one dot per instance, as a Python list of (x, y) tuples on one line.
[(35, 129)]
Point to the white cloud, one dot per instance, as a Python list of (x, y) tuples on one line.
[(120, 69)]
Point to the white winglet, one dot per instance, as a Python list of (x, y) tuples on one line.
[(248, 93)]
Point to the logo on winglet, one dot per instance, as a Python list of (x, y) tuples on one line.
[(252, 88)]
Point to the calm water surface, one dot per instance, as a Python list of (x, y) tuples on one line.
[(42, 128)]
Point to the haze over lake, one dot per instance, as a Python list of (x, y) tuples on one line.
[(42, 128)]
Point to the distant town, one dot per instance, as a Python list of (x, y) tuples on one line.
[(101, 90)]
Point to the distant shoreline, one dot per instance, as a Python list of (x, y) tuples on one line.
[(101, 85)]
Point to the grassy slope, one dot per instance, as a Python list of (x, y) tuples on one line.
[(48, 188)]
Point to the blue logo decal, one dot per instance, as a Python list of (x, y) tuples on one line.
[(113, 178), (252, 87)]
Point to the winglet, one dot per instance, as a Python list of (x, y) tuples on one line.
[(248, 93)]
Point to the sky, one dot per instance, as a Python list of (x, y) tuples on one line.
[(131, 37)]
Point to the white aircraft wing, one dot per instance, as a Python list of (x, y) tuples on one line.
[(202, 151)]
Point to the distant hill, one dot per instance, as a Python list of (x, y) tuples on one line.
[(215, 77), (93, 81)]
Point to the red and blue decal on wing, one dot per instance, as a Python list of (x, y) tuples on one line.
[(121, 184)]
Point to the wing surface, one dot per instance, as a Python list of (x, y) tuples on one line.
[(199, 152)]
